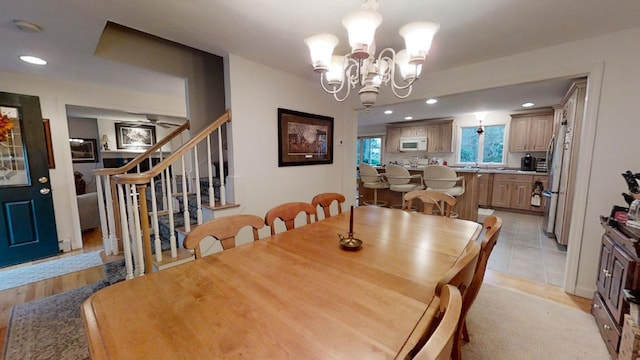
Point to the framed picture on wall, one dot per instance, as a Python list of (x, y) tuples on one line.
[(131, 136), (84, 150), (304, 139)]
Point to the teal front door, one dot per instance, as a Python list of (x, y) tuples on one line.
[(27, 223)]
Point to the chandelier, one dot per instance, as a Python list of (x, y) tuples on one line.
[(339, 74)]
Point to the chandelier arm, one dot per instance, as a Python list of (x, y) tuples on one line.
[(392, 77), (335, 91)]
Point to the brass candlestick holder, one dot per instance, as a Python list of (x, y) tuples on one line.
[(349, 242)]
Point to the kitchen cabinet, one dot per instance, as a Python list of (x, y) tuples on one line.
[(617, 269), (392, 144), (439, 137), (485, 186), (438, 133), (512, 191), (413, 131), (531, 131)]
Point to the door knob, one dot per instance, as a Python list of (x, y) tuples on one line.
[(45, 191), (43, 179)]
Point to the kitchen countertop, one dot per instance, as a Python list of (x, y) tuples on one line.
[(479, 170)]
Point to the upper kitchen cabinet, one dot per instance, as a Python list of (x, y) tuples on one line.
[(531, 131), (439, 137), (392, 144), (438, 133), (413, 131)]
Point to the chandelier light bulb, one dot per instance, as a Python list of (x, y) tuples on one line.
[(321, 48), (418, 37), (335, 75), (361, 26)]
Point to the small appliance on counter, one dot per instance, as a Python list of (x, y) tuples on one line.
[(528, 163), (541, 165)]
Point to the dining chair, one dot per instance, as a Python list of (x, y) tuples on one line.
[(224, 229), (400, 180), (492, 226), (288, 212), (440, 342), (371, 179), (443, 202), (325, 200)]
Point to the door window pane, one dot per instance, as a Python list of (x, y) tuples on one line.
[(13, 156)]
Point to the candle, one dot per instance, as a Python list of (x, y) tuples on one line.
[(351, 222)]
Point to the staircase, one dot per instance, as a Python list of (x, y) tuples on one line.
[(172, 196)]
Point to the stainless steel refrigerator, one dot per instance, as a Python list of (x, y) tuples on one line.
[(555, 155)]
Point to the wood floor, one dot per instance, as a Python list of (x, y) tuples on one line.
[(92, 241)]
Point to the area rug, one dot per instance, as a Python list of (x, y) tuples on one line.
[(49, 328), (48, 269), (505, 324)]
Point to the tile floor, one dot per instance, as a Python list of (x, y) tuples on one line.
[(524, 251)]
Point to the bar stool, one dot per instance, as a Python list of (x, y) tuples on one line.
[(371, 179), (444, 179), (399, 180)]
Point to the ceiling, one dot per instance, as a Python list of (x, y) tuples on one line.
[(272, 33)]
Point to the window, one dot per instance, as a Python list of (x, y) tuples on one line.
[(487, 148), (369, 150)]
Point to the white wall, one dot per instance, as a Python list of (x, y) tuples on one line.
[(610, 136), (256, 92), (54, 95)]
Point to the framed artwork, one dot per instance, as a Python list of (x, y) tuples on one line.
[(304, 139), (130, 136), (84, 150)]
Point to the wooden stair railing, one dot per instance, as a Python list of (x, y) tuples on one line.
[(109, 214), (136, 227)]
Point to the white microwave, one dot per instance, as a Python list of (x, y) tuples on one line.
[(413, 144)]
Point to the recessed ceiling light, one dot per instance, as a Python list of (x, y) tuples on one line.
[(27, 26), (431, 101), (528, 105), (388, 112), (408, 117), (33, 60)]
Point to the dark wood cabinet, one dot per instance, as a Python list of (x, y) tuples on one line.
[(617, 270)]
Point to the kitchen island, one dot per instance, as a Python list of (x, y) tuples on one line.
[(467, 203)]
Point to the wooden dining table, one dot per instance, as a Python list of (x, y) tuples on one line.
[(297, 294)]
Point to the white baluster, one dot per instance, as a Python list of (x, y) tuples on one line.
[(198, 195), (185, 201), (212, 198), (125, 233), (172, 236), (223, 195), (162, 180), (111, 217), (103, 217), (138, 238), (154, 222)]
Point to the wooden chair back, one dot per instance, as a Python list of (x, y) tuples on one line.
[(492, 226), (288, 212), (461, 274), (224, 229), (443, 202), (325, 200), (440, 343)]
